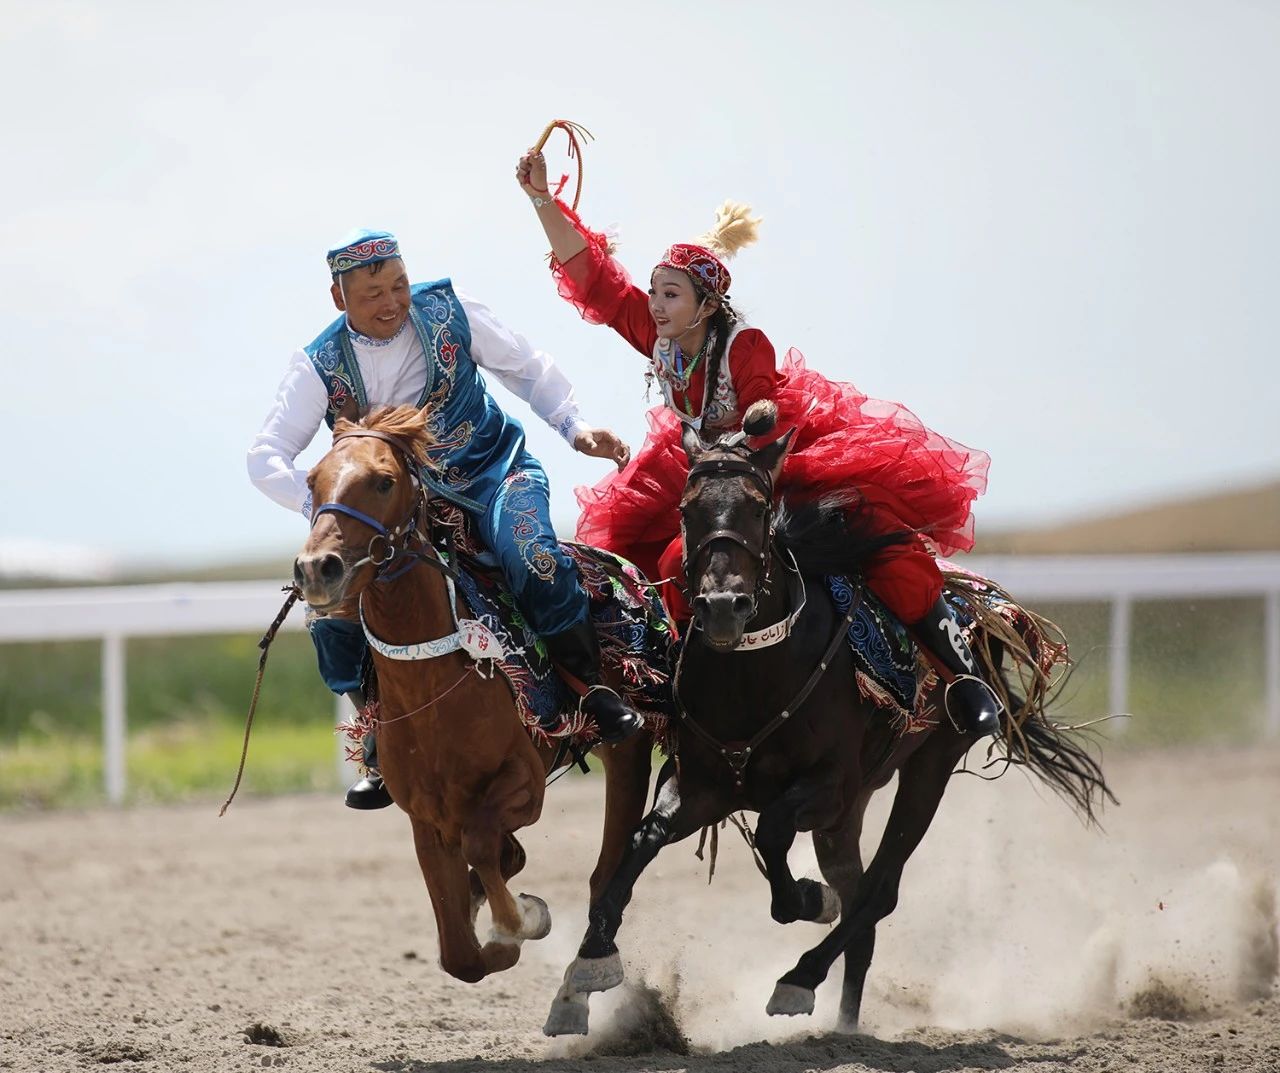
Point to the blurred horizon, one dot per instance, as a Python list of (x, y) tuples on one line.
[(1243, 518)]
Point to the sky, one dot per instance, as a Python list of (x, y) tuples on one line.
[(1050, 229)]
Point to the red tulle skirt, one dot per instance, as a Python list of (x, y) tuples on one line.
[(908, 476)]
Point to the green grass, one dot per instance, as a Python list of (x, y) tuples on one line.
[(186, 702), (1196, 677), (55, 688), (186, 759), (1196, 672)]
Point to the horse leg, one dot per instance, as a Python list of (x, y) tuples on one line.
[(806, 804), (445, 870), (921, 783), (598, 966), (513, 862), (626, 785), (491, 849), (840, 858)]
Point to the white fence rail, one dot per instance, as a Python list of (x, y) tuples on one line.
[(111, 615)]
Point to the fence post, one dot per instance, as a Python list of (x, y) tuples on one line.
[(113, 716), (1121, 625), (1271, 634)]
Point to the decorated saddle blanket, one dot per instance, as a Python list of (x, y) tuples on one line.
[(630, 620), (889, 667)]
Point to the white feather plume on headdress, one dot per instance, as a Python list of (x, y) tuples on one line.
[(735, 229)]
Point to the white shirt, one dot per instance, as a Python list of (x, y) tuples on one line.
[(394, 374)]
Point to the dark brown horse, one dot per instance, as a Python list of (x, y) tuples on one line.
[(783, 730), (452, 748)]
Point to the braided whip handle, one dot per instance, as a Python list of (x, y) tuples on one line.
[(577, 135)]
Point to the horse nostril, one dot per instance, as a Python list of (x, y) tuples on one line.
[(700, 604), (742, 605), (331, 568), (297, 573)]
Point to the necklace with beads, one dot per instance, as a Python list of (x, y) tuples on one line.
[(672, 367)]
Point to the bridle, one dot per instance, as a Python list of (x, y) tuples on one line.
[(759, 548), (395, 541), (737, 754)]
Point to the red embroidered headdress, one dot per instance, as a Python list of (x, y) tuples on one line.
[(707, 270), (704, 261)]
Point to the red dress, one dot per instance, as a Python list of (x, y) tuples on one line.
[(909, 476)]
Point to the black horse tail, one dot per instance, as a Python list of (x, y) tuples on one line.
[(1056, 753)]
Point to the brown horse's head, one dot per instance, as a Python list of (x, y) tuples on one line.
[(726, 525), (366, 495)]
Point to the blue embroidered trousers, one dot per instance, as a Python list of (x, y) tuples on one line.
[(517, 529)]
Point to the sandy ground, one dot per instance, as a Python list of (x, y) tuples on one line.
[(155, 938)]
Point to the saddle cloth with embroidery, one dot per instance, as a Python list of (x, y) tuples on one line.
[(887, 663), (630, 620)]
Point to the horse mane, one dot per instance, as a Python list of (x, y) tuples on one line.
[(831, 534), (407, 424)]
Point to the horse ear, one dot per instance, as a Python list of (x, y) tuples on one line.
[(691, 439), (770, 457), (350, 410)]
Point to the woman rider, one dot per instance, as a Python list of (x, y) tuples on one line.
[(711, 366)]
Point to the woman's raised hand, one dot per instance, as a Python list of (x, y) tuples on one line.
[(531, 174)]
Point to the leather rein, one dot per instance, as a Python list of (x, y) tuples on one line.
[(764, 552)]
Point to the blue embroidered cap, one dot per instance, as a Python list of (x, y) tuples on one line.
[(361, 248)]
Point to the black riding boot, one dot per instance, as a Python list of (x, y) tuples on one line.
[(368, 793), (969, 700), (577, 651)]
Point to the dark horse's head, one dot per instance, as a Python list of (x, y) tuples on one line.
[(726, 521), (366, 495)]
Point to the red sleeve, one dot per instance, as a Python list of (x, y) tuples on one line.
[(601, 290), (753, 366)]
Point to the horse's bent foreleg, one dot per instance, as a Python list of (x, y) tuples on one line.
[(512, 800), (840, 858), (626, 786), (445, 870), (807, 803), (921, 783)]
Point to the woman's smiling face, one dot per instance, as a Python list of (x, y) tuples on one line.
[(674, 304)]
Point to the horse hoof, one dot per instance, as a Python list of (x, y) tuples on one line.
[(595, 974), (535, 917), (789, 1000), (568, 1016), (830, 907)]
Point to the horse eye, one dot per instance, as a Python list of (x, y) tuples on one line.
[(386, 484)]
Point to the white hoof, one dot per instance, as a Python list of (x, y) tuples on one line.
[(830, 907), (595, 974), (535, 917), (790, 1000), (568, 1016), (535, 922)]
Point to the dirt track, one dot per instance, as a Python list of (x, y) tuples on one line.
[(156, 937)]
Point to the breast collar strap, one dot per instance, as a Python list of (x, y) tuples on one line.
[(781, 630)]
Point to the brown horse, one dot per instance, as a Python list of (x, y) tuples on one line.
[(783, 729), (452, 748)]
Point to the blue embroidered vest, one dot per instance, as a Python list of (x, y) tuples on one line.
[(476, 443)]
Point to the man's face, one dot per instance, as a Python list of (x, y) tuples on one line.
[(376, 299)]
